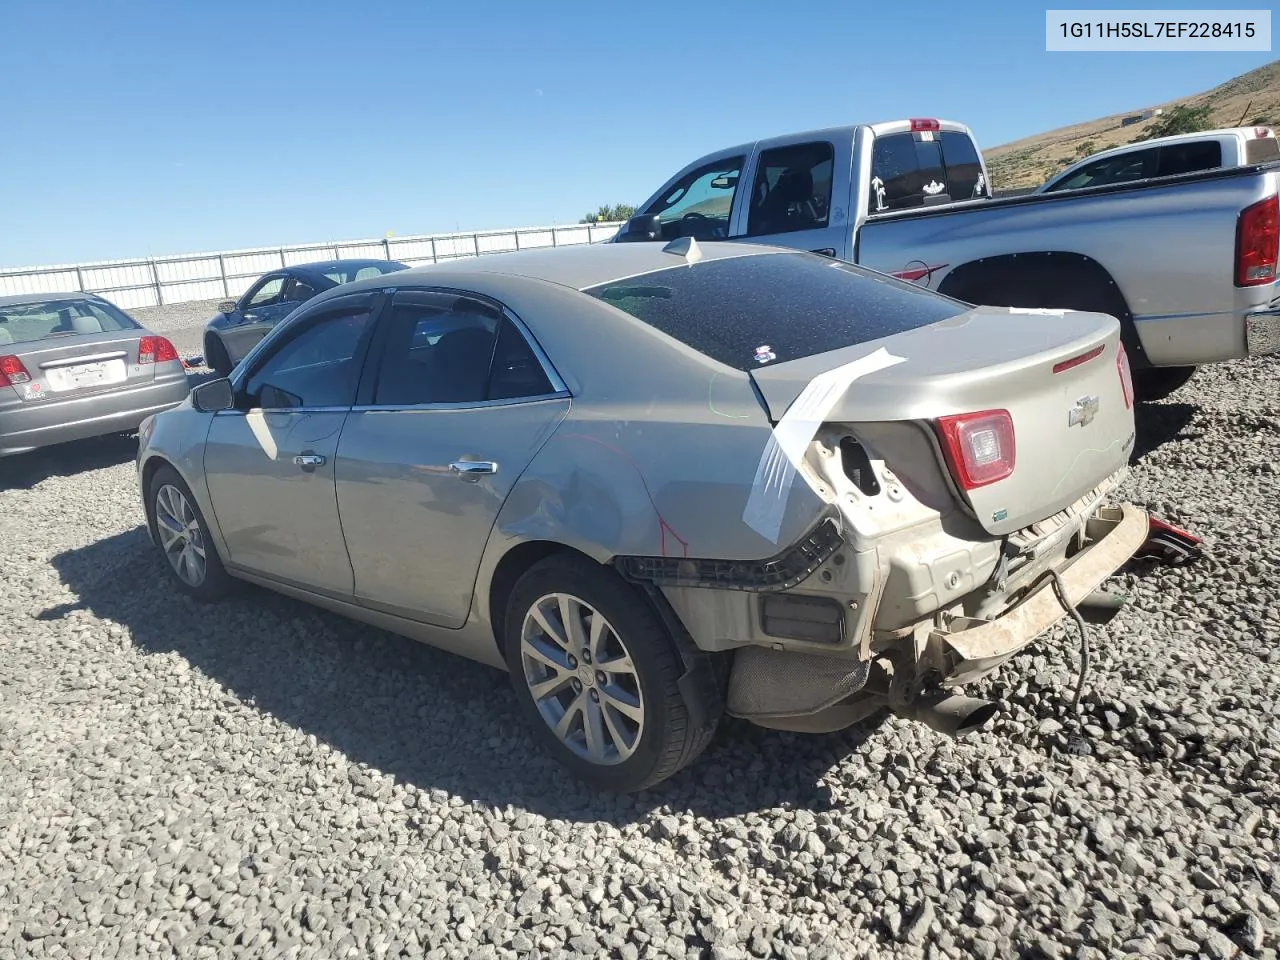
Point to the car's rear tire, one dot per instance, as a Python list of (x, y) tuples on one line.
[(602, 695), (1156, 383), (183, 538), (217, 358)]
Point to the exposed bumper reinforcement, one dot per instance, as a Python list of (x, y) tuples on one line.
[(1118, 531)]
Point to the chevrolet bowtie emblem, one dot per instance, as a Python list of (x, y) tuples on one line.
[(1083, 412)]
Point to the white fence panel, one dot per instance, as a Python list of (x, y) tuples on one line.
[(210, 276)]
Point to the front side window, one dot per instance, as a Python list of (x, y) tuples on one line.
[(770, 308), (448, 349), (267, 294), (700, 203), (28, 322), (1124, 168), (792, 189), (319, 366)]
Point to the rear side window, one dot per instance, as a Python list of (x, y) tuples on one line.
[(749, 311), (792, 189), (917, 169), (1189, 157), (1261, 150)]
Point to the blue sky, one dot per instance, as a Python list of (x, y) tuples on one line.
[(140, 127)]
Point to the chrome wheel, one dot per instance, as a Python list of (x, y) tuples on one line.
[(582, 678), (180, 535)]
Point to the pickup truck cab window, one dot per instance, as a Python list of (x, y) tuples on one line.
[(700, 204), (922, 168), (792, 189)]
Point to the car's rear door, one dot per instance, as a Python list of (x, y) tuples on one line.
[(459, 400), (790, 200), (269, 463)]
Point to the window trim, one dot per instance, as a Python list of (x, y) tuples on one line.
[(374, 303), (373, 358)]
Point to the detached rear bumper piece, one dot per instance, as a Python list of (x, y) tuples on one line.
[(1262, 331), (978, 647)]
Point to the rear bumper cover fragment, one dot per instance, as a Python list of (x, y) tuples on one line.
[(1119, 532)]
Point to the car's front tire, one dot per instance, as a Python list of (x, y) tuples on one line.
[(183, 537), (596, 671), (216, 356)]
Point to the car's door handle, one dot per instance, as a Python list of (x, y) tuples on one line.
[(308, 461), (473, 470)]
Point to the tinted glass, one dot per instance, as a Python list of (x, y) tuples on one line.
[(317, 367), (516, 370), (438, 352), (792, 189), (1122, 169), (908, 170), (700, 203), (1189, 157), (299, 291), (268, 293), (28, 322), (963, 167), (790, 305)]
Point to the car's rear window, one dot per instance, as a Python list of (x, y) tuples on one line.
[(29, 322), (769, 308), (351, 274)]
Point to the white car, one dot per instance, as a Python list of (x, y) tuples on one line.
[(1168, 157)]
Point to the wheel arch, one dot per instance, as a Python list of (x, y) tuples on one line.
[(1049, 279)]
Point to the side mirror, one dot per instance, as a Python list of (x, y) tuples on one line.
[(213, 396), (227, 306), (641, 228)]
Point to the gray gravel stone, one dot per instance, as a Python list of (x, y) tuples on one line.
[(260, 778)]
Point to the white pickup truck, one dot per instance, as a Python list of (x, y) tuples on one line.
[(1187, 263)]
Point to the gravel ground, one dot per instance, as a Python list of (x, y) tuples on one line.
[(263, 779)]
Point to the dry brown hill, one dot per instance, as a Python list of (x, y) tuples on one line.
[(1250, 97)]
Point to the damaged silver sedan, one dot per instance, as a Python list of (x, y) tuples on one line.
[(658, 484)]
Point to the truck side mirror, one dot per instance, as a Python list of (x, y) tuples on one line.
[(640, 228)]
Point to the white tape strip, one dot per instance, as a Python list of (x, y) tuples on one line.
[(780, 461), (1038, 311)]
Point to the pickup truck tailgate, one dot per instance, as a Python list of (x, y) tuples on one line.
[(1061, 377)]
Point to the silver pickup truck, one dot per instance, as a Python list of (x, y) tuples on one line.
[(1186, 263)]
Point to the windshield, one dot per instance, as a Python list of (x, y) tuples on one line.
[(45, 319), (364, 270), (750, 311)]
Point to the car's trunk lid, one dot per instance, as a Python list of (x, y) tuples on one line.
[(1055, 373), (76, 365)]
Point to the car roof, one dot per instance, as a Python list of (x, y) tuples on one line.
[(577, 267), (14, 299), (320, 266)]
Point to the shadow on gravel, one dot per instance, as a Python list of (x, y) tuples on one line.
[(26, 470), (1158, 423), (422, 716)]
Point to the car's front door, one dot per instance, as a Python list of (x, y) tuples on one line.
[(791, 202), (457, 403), (269, 463), (256, 313)]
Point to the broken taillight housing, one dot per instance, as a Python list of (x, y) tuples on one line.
[(12, 372), (979, 447), (1126, 376), (153, 349), (1258, 243)]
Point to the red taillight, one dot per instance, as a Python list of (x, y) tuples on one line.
[(979, 447), (12, 372), (155, 350), (919, 124), (1126, 376), (1257, 243), (1261, 132), (1062, 365)]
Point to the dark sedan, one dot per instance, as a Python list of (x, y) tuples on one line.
[(240, 324)]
